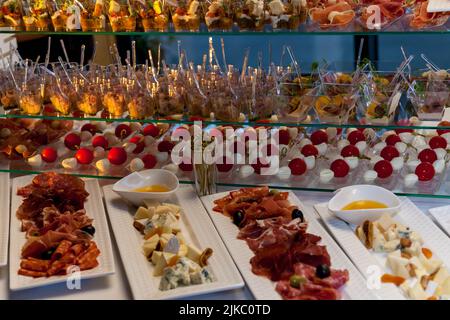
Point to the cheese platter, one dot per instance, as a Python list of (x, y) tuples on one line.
[(170, 249), (403, 256)]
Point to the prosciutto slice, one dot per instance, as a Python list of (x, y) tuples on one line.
[(314, 288)]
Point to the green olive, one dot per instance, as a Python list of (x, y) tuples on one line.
[(296, 281), (274, 192)]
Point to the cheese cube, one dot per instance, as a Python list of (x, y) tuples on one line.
[(441, 275), (150, 203), (141, 213), (444, 288), (385, 222), (156, 256), (416, 292), (150, 245), (140, 225), (431, 265)]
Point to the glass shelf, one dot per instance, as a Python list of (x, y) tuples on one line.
[(424, 125), (437, 188), (231, 33)]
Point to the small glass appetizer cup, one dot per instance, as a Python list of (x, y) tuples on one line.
[(186, 15), (89, 101), (219, 15), (250, 15), (30, 99), (286, 14)]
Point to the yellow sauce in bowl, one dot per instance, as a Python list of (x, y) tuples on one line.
[(364, 204), (153, 188)]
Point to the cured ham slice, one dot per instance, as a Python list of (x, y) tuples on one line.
[(422, 19), (389, 11), (313, 287), (54, 220), (309, 291), (281, 245), (333, 14)]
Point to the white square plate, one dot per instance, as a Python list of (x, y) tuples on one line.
[(94, 209), (442, 216), (4, 217), (263, 288), (197, 229), (368, 261)]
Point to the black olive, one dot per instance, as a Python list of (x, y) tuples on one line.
[(296, 213), (89, 229), (46, 255), (323, 271), (238, 216)]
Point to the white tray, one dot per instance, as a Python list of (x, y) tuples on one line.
[(442, 216), (263, 288), (367, 261), (196, 227), (4, 217), (94, 209)]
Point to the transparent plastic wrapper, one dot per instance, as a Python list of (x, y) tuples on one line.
[(122, 16), (35, 15), (250, 15), (219, 15), (92, 16), (152, 15), (186, 15), (11, 14), (286, 14)]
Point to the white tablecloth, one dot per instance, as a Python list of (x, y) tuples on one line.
[(116, 286)]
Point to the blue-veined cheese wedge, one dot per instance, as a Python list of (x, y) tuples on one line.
[(172, 246)]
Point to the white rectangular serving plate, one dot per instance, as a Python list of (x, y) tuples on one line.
[(94, 209), (4, 217), (263, 288), (368, 261), (442, 217), (197, 229)]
